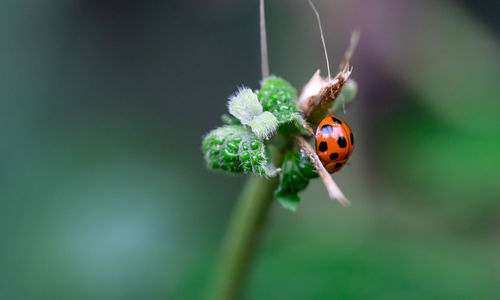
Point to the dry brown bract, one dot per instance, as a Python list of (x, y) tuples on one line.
[(333, 190), (315, 97), (320, 92)]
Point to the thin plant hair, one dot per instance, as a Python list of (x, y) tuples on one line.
[(322, 36), (264, 60)]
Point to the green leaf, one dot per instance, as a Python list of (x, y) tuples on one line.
[(296, 172), (278, 97), (229, 120), (289, 201), (236, 149)]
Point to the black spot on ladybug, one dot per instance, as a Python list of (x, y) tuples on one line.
[(342, 142), (334, 156), (352, 139), (322, 146), (327, 129), (337, 121), (338, 165)]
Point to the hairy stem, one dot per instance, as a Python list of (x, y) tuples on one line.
[(246, 221)]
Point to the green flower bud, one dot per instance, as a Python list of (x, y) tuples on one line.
[(278, 97), (236, 149)]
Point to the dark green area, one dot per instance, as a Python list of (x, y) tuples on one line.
[(296, 172)]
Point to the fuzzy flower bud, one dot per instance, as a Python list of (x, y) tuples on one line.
[(245, 106)]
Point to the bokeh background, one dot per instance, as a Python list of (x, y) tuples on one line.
[(104, 193)]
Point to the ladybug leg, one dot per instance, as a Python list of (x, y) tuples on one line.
[(309, 128)]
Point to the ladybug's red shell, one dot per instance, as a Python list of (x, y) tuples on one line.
[(334, 143)]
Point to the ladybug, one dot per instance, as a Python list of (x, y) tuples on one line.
[(334, 143)]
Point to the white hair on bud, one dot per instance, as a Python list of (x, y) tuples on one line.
[(264, 125), (245, 106)]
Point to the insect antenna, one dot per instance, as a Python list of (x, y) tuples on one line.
[(322, 36)]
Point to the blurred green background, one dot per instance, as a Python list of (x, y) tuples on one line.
[(103, 189)]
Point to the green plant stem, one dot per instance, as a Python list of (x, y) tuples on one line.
[(245, 224)]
